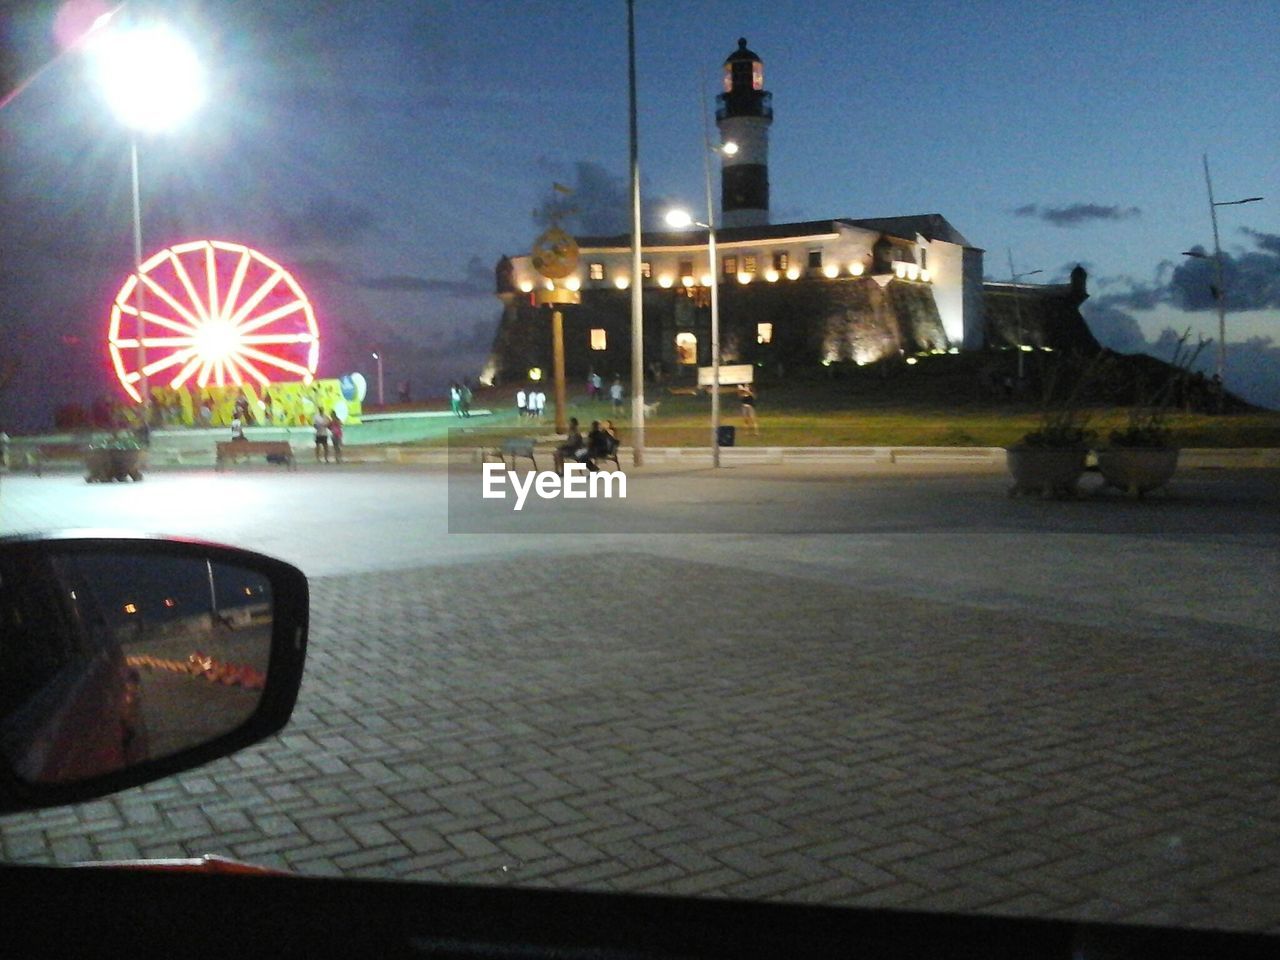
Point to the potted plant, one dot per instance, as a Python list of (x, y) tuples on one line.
[(1050, 460), (1141, 456), (119, 458)]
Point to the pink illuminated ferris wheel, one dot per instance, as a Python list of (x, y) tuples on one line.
[(214, 313)]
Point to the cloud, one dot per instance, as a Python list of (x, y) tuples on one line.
[(1250, 279), (599, 202), (478, 283), (328, 221), (1075, 214)]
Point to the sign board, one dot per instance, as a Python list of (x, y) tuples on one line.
[(729, 374)]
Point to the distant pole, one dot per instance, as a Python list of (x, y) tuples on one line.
[(713, 267), (140, 297), (637, 281), (1219, 292), (557, 361), (1017, 312), (381, 399)]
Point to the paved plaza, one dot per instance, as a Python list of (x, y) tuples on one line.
[(887, 686)]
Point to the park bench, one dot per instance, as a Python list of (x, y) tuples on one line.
[(277, 451), (514, 447)]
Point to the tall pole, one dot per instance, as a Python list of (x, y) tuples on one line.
[(713, 266), (637, 281), (557, 351), (1219, 294), (381, 398), (139, 294)]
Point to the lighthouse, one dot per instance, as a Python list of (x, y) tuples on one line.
[(744, 112)]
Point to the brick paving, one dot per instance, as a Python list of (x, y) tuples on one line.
[(702, 725)]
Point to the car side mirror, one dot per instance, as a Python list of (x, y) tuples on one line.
[(127, 659)]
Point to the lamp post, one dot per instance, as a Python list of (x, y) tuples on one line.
[(1219, 293), (1017, 312), (151, 79), (381, 399)]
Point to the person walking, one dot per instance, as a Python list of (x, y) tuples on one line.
[(455, 399), (748, 400), (321, 424), (615, 394), (335, 434), (465, 399)]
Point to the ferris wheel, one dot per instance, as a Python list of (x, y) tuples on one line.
[(213, 313)]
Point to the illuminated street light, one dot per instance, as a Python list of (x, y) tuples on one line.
[(152, 80)]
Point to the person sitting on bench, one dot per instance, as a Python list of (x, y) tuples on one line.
[(573, 448)]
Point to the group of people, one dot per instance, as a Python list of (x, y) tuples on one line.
[(595, 390), (530, 404), (460, 399), (600, 443), (328, 428)]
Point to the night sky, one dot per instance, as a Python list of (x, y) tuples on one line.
[(389, 151)]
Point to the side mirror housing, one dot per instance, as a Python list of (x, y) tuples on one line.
[(124, 659)]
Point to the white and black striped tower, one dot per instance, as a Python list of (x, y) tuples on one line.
[(744, 112)]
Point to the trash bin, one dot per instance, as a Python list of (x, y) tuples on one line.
[(725, 435)]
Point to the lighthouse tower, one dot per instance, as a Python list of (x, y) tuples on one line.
[(744, 112)]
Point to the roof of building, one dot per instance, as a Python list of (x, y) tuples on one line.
[(931, 226), (742, 53)]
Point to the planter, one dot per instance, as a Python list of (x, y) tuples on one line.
[(104, 465), (1135, 470), (1046, 471)]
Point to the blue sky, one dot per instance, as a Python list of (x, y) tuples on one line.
[(390, 151)]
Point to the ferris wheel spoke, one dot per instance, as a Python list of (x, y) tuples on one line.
[(206, 367), (185, 373), (278, 338), (175, 358), (242, 364), (274, 361), (233, 292), (158, 342), (167, 297), (176, 325), (185, 279), (211, 274), (263, 320), (267, 286)]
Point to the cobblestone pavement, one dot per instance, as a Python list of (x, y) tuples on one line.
[(862, 719)]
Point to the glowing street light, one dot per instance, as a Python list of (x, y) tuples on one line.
[(151, 80)]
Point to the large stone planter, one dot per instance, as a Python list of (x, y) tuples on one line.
[(1046, 471), (1136, 470), (103, 465)]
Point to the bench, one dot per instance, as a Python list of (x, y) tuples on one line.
[(514, 447), (234, 450)]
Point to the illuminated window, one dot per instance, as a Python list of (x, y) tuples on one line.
[(686, 349), (598, 339), (686, 268), (815, 259), (764, 333), (596, 271), (730, 266), (646, 270), (781, 262), (748, 264)]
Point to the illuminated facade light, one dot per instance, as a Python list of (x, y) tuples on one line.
[(526, 286), (912, 361), (548, 284), (913, 272), (771, 275), (706, 279), (831, 271), (793, 273), (573, 283), (216, 312), (665, 281), (744, 277), (130, 608), (1025, 347), (621, 282), (856, 268), (687, 281), (900, 270), (925, 275)]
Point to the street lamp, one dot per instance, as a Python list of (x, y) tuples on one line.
[(681, 219), (1219, 294), (151, 80), (381, 401), (1017, 312)]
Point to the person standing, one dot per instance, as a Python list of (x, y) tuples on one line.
[(522, 404), (237, 428), (455, 399), (748, 400), (465, 400), (539, 404), (335, 433), (321, 424), (615, 394)]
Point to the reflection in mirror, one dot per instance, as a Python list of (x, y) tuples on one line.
[(112, 657)]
